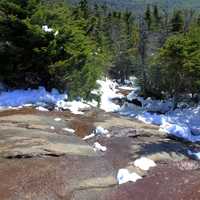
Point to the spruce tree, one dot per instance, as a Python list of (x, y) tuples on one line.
[(177, 21), (148, 16)]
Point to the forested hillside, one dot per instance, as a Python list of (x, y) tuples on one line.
[(139, 5)]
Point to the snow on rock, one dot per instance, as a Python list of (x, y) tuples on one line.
[(157, 105), (30, 97), (52, 128), (40, 108), (126, 88), (194, 155), (182, 123), (124, 176), (69, 130), (87, 137), (108, 92), (149, 118), (57, 119), (101, 131), (76, 107), (131, 110), (144, 163), (99, 147)]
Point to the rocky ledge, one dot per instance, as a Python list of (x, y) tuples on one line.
[(42, 159)]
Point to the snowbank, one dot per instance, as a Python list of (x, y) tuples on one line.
[(182, 123), (38, 96)]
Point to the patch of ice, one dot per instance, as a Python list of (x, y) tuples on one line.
[(144, 163), (99, 147), (69, 130), (124, 176)]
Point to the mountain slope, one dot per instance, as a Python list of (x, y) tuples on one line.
[(138, 5)]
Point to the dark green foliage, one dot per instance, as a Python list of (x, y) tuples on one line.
[(178, 64), (148, 17), (65, 58), (177, 21)]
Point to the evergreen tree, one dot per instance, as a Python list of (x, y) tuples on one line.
[(41, 45), (148, 16), (178, 63), (177, 21), (156, 16)]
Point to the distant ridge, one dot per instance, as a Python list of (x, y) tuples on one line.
[(139, 5)]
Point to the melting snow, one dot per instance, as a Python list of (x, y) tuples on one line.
[(52, 128), (45, 28), (30, 97), (124, 176), (57, 119), (87, 137), (69, 130), (40, 108), (194, 155), (99, 147), (101, 131), (144, 163), (108, 92), (76, 107)]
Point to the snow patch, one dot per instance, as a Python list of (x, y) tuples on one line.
[(99, 147), (108, 92), (101, 131), (57, 119), (45, 28), (69, 130), (40, 108), (76, 107), (194, 155), (144, 163), (124, 176), (30, 97), (87, 137)]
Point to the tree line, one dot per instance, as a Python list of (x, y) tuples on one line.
[(51, 44)]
